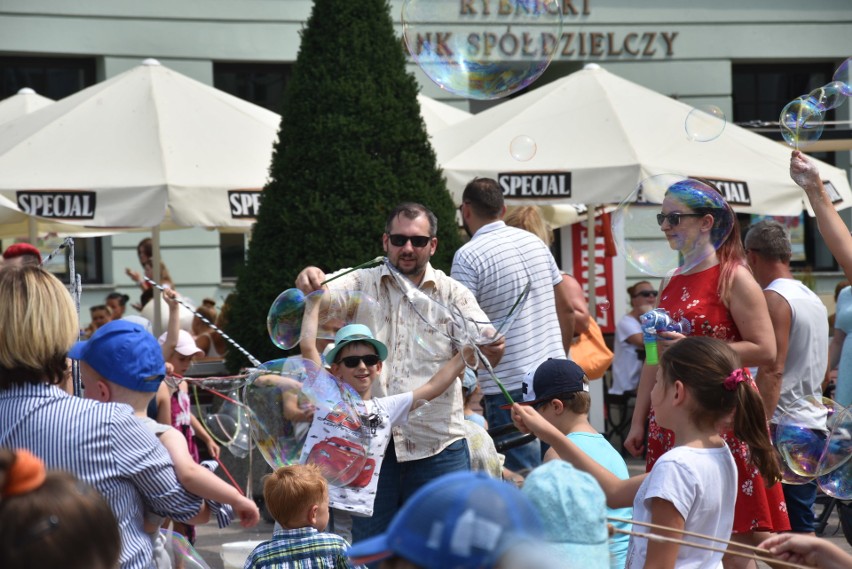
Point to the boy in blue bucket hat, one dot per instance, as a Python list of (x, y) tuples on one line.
[(356, 359)]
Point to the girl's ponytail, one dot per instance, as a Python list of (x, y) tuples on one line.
[(750, 427)]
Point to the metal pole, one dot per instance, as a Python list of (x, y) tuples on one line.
[(590, 284)]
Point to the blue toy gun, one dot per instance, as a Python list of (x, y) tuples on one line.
[(655, 321)]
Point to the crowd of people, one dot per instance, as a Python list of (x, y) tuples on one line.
[(712, 495)]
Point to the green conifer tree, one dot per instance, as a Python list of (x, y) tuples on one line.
[(352, 146)]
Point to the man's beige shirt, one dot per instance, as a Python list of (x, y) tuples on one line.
[(416, 352)]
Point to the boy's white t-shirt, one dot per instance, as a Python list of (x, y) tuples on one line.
[(702, 486), (359, 495)]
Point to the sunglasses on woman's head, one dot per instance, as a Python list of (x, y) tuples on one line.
[(353, 361), (674, 217), (646, 294), (416, 240)]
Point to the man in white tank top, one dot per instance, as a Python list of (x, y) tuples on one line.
[(800, 321)]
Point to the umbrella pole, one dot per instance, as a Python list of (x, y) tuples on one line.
[(155, 250), (32, 230), (590, 283)]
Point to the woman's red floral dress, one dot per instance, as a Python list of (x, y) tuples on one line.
[(695, 298)]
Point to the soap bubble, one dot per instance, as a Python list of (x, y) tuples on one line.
[(488, 50), (704, 124), (842, 75), (801, 122), (227, 422), (338, 308), (181, 553), (301, 413), (835, 468), (522, 148), (604, 306), (687, 244), (420, 408), (829, 96)]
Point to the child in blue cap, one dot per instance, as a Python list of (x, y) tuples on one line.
[(356, 359), (123, 363)]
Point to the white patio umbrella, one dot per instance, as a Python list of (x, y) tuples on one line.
[(438, 115), (148, 147), (22, 103), (596, 136)]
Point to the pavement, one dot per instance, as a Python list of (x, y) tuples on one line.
[(210, 538)]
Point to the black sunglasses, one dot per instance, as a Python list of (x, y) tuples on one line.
[(646, 293), (416, 240), (674, 218), (353, 361)]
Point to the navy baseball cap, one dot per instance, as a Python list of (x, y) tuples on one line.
[(552, 378), (463, 520), (124, 353)]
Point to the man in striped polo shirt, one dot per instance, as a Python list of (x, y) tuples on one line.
[(496, 265)]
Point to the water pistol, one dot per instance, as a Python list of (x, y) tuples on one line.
[(655, 321)]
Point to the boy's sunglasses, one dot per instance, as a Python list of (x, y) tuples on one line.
[(674, 218), (353, 361), (646, 294), (416, 240)]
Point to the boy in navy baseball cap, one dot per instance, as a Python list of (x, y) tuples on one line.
[(559, 390)]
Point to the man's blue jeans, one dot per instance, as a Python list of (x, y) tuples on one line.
[(399, 480), (525, 457)]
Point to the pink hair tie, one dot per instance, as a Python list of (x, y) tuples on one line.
[(732, 381)]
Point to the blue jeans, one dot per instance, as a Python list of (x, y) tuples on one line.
[(524, 457), (399, 480), (800, 500)]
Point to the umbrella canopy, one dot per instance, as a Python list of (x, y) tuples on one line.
[(148, 147), (24, 102), (438, 115), (591, 137)]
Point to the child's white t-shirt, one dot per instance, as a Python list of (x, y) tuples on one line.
[(702, 486), (359, 495)]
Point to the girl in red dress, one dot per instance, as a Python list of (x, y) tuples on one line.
[(716, 292)]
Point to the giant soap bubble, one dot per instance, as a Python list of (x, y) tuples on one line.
[(339, 308), (482, 50), (690, 237), (801, 121), (302, 414)]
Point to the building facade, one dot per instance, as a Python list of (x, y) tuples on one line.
[(747, 58)]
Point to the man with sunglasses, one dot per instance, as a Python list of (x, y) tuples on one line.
[(432, 443), (496, 265), (800, 321)]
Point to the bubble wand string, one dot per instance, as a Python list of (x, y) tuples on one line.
[(254, 361), (657, 537), (685, 532), (368, 264)]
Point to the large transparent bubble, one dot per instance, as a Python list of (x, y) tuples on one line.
[(678, 243), (303, 414), (482, 50), (705, 123), (801, 434), (180, 552), (842, 74), (801, 121), (835, 477), (339, 308), (829, 96)]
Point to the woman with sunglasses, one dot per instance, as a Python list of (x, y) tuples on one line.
[(629, 348), (717, 293)]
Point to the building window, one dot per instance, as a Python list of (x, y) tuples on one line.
[(232, 251), (88, 258), (259, 83), (760, 91), (53, 77)]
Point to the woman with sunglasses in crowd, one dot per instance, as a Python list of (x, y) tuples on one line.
[(629, 349), (717, 293)]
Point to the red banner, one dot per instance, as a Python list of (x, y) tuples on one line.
[(603, 268)]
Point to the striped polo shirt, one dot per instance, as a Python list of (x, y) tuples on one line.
[(104, 445)]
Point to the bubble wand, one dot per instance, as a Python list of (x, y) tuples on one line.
[(367, 265), (655, 321), (254, 361)]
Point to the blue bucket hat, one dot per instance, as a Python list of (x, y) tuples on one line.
[(572, 507), (124, 353), (355, 333), (463, 520)]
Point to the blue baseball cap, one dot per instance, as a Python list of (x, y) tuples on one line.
[(572, 507), (355, 333), (463, 520), (124, 353)]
